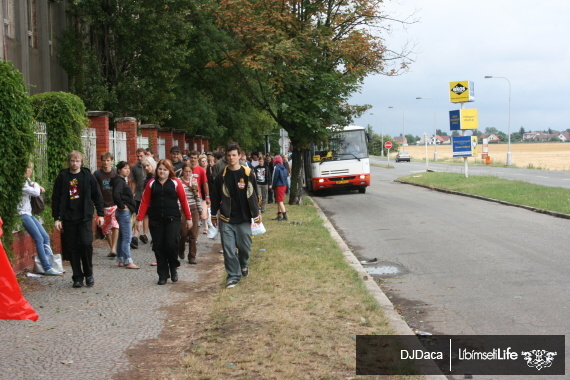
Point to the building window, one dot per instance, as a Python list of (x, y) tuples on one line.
[(32, 25), (8, 18)]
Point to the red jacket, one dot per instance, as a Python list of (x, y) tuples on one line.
[(163, 200)]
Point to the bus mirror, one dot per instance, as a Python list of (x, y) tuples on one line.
[(368, 137)]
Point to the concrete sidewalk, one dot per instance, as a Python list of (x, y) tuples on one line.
[(86, 332)]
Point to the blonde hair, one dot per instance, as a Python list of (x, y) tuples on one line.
[(149, 160), (75, 154)]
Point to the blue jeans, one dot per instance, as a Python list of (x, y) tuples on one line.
[(125, 232), (40, 236)]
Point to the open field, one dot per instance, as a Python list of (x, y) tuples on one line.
[(547, 156)]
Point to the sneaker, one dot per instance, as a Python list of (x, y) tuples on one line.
[(231, 284), (244, 272), (52, 272), (143, 239), (112, 254), (135, 242), (89, 281)]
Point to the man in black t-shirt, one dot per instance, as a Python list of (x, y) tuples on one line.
[(234, 195), (110, 227), (75, 192), (177, 162)]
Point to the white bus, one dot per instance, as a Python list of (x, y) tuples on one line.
[(341, 161)]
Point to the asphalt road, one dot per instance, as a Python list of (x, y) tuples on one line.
[(462, 266)]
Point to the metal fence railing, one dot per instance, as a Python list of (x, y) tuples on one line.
[(118, 145), (89, 142), (40, 155)]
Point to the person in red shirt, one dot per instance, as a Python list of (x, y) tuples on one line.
[(199, 173)]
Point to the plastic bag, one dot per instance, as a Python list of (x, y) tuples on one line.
[(55, 261), (257, 228), (212, 232)]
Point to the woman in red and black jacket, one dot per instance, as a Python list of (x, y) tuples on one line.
[(160, 200)]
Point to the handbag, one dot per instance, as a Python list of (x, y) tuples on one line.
[(257, 228), (37, 204)]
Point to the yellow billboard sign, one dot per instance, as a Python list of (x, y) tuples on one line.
[(461, 91), (466, 118)]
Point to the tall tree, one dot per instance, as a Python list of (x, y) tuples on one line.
[(304, 60), (124, 56)]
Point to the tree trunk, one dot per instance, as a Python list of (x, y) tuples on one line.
[(296, 191)]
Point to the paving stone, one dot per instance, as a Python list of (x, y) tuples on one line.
[(87, 331)]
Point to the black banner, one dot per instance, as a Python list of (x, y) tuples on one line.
[(460, 355)]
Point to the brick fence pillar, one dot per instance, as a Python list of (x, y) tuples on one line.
[(180, 139), (200, 147), (206, 144), (166, 134), (99, 120), (129, 126), (151, 131)]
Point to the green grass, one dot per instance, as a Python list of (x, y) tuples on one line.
[(296, 315), (523, 193)]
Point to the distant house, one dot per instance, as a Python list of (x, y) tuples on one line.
[(564, 136), (492, 138), (401, 140), (443, 140), (536, 136)]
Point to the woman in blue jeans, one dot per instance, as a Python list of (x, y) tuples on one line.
[(33, 226), (125, 202)]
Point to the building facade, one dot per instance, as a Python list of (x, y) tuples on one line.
[(29, 34)]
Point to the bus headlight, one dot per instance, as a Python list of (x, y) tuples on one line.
[(363, 176), (321, 180)]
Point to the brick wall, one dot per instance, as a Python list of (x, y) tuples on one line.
[(129, 126), (24, 249)]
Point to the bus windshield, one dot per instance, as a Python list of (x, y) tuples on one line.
[(342, 145)]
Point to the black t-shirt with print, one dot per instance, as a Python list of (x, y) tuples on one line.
[(236, 183), (76, 193)]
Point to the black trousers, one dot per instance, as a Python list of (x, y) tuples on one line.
[(77, 245), (165, 234)]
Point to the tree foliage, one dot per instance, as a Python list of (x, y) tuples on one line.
[(65, 118), (124, 56), (306, 59), (17, 140)]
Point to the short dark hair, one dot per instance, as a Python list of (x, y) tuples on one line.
[(175, 148), (150, 150), (122, 164), (141, 150), (107, 155), (194, 153), (233, 146), (218, 155)]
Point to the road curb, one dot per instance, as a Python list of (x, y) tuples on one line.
[(529, 208), (398, 324)]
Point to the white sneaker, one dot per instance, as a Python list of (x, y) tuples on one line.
[(52, 272)]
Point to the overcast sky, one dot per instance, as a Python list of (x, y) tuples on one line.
[(526, 41)]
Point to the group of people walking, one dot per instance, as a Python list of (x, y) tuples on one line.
[(168, 198)]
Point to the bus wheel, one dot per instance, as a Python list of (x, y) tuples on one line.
[(362, 190)]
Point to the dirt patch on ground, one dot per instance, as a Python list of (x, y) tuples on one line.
[(186, 322)]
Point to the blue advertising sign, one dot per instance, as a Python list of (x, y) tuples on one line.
[(464, 146), (455, 120)]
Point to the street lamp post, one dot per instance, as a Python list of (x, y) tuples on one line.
[(434, 126), (509, 155), (403, 126)]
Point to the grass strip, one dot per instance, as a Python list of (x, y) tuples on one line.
[(555, 199), (297, 314)]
